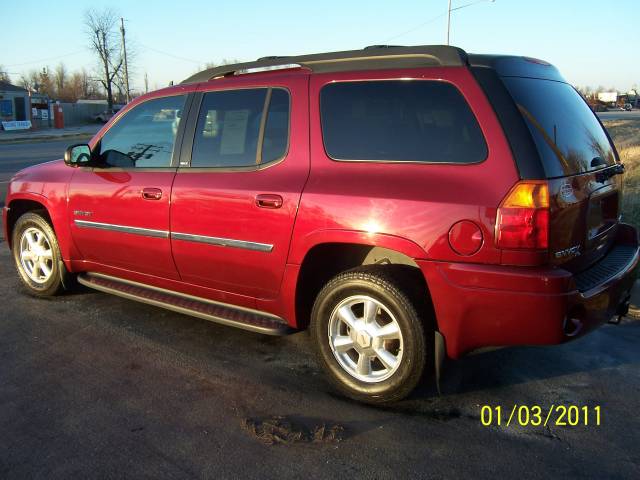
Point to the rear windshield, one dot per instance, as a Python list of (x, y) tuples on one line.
[(567, 134), (399, 120)]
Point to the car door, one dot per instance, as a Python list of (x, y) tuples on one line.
[(235, 199), (119, 207)]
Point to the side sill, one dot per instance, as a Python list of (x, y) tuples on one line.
[(230, 315)]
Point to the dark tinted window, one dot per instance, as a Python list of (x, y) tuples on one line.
[(421, 121), (276, 130), (145, 136), (567, 134)]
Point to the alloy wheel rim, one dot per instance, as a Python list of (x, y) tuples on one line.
[(36, 255), (365, 339)]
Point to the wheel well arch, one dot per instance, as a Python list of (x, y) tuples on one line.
[(19, 207), (324, 261)]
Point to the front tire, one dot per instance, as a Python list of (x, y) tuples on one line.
[(368, 335), (37, 256)]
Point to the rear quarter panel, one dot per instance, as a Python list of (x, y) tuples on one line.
[(410, 202)]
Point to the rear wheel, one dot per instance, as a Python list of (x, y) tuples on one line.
[(368, 335), (37, 256)]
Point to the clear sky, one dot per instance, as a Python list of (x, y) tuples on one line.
[(593, 42)]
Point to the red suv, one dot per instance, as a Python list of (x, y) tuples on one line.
[(403, 203)]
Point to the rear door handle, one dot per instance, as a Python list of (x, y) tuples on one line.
[(151, 193), (268, 200)]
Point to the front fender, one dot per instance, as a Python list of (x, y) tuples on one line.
[(56, 207)]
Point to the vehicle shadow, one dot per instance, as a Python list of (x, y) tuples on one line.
[(606, 348)]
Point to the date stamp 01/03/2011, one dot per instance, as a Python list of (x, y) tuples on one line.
[(535, 415)]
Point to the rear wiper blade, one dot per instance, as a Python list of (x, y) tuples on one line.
[(607, 173)]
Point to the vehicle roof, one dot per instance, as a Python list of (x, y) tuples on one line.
[(385, 57)]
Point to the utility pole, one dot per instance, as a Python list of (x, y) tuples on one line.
[(460, 8), (126, 68), (448, 24), (146, 83)]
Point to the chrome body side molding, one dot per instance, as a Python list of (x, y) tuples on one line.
[(146, 232), (224, 242), (187, 237)]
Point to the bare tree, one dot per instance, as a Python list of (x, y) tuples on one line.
[(29, 80), (88, 89), (101, 30), (45, 83), (4, 76), (225, 61), (60, 78)]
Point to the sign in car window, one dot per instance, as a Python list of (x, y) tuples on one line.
[(234, 132)]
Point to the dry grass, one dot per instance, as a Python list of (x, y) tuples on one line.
[(626, 136)]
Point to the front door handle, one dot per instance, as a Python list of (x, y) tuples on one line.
[(151, 193), (268, 200)]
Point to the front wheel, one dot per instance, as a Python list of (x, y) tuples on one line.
[(37, 256), (368, 335)]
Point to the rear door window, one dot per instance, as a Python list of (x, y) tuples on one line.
[(236, 130), (400, 120), (567, 133)]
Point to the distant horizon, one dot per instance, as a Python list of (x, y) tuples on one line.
[(588, 42)]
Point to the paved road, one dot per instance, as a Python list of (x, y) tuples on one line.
[(16, 156), (93, 385), (619, 115)]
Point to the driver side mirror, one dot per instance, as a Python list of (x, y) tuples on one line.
[(77, 155)]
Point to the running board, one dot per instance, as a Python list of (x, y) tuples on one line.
[(233, 316)]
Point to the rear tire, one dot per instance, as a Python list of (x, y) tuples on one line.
[(37, 256), (368, 335)]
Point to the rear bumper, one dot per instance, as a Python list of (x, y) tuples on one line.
[(484, 305)]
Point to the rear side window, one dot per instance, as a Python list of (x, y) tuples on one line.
[(400, 120), (566, 132), (228, 133)]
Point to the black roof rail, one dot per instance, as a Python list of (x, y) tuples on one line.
[(370, 58), (371, 47), (272, 57)]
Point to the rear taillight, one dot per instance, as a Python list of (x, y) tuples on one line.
[(523, 217)]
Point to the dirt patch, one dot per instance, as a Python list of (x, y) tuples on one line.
[(278, 430)]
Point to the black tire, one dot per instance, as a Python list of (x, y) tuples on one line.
[(394, 292), (54, 284)]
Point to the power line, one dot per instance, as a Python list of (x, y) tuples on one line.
[(45, 59), (431, 20), (172, 55)]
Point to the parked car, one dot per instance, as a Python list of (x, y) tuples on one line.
[(104, 116), (628, 107), (404, 204)]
